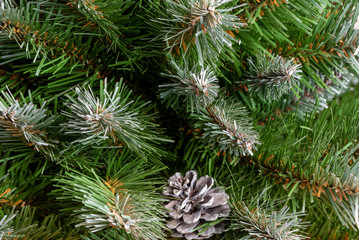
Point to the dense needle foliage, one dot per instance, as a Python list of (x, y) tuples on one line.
[(104, 103)]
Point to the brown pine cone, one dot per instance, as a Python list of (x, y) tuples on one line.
[(194, 203)]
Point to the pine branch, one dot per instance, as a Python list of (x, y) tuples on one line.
[(9, 197), (327, 43), (106, 16), (13, 81), (318, 100), (226, 124), (336, 184), (307, 100), (111, 120), (25, 125), (198, 26), (333, 42), (38, 40), (270, 78), (108, 204), (268, 21), (22, 225), (6, 226), (199, 88), (31, 31), (324, 229), (19, 221), (304, 157), (259, 210), (262, 224)]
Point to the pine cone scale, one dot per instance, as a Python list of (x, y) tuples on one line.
[(186, 227), (203, 185), (192, 218), (173, 224), (218, 199), (214, 214), (207, 201), (209, 231), (171, 205), (176, 214)]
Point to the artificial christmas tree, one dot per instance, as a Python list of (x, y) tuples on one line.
[(103, 101)]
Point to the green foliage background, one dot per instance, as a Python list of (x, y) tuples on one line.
[(103, 100)]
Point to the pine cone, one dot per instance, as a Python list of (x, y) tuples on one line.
[(195, 203)]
